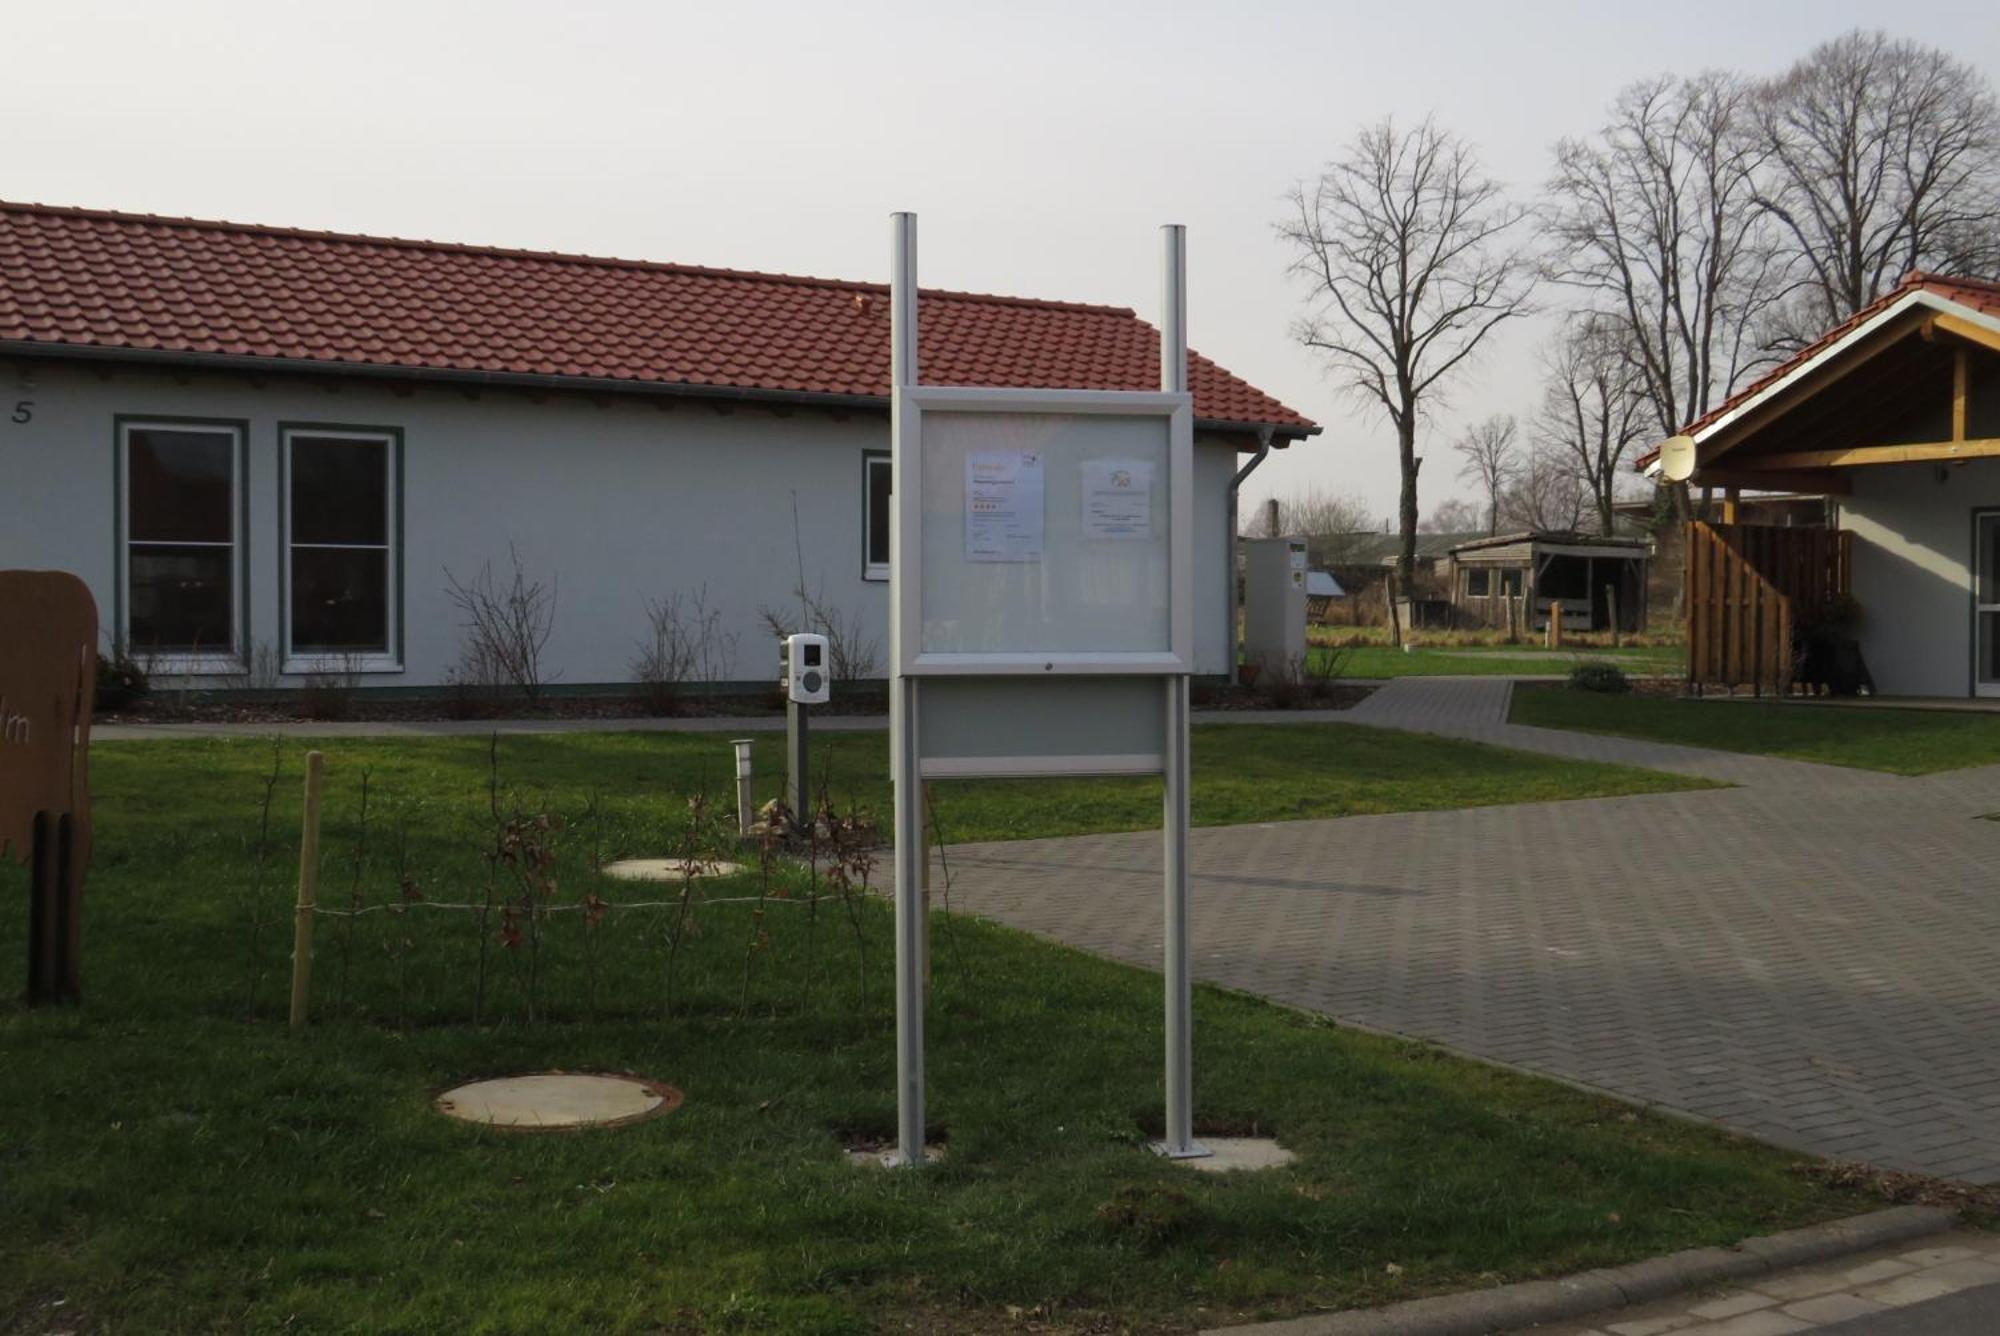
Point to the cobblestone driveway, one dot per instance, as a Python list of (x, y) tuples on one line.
[(1812, 958)]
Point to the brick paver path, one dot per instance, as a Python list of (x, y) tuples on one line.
[(1812, 958)]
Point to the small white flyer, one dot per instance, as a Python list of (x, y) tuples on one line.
[(1117, 499), (1003, 505)]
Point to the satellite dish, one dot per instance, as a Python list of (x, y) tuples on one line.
[(1677, 458)]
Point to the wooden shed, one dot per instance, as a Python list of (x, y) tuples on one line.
[(1518, 579)]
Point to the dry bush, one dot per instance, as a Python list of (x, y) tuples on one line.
[(684, 643), (506, 630)]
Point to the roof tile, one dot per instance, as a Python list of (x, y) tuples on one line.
[(73, 277)]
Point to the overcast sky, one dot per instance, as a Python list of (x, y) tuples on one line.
[(1040, 143)]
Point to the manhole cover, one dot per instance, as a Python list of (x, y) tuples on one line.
[(668, 869), (553, 1100)]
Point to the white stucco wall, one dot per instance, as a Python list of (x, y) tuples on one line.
[(1913, 559), (613, 499)]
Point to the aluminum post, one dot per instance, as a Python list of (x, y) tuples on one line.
[(909, 814)]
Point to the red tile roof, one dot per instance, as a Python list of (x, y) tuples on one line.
[(1977, 293), (74, 278)]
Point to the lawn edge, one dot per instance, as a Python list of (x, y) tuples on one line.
[(1602, 1289)]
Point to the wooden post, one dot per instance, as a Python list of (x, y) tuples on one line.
[(302, 922), (1555, 636), (1730, 496)]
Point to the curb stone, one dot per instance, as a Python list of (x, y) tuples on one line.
[(1508, 1307)]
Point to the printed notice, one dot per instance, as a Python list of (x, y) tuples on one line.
[(1003, 505), (1117, 498)]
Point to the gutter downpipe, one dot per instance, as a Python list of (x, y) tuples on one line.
[(1235, 596)]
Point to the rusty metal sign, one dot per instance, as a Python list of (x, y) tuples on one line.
[(48, 671)]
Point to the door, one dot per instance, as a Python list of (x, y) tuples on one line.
[(1986, 604)]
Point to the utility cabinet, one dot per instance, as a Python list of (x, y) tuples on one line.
[(1274, 603)]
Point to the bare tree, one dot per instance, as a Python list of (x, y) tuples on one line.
[(1410, 253), (1488, 451), (1545, 494), (1884, 156), (1593, 409), (1455, 514), (1654, 222), (1333, 525)]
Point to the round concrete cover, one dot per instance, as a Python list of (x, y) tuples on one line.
[(667, 869), (558, 1100)]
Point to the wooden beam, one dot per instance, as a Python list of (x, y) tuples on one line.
[(1805, 387), (1860, 455), (1822, 480), (1970, 330), (1959, 381), (1730, 496)]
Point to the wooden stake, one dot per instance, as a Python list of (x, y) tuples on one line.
[(302, 922), (1555, 636)]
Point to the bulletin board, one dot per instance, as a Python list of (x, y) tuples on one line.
[(1051, 530)]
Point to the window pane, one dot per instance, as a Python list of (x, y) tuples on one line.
[(180, 600), (1475, 583), (878, 512), (178, 485), (340, 601), (340, 490)]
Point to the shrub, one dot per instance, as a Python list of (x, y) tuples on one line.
[(684, 644), (1607, 678), (120, 680), (506, 629)]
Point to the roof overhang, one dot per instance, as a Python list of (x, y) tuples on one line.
[(1942, 313), (1282, 434)]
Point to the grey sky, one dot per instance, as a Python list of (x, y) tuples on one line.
[(1041, 143)]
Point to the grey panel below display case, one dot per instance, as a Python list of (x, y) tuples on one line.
[(1011, 726)]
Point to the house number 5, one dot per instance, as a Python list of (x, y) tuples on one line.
[(24, 411)]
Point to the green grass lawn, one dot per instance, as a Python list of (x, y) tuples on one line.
[(1379, 661), (1903, 742), (175, 1159)]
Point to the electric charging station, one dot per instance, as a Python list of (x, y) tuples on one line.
[(807, 680), (1041, 622)]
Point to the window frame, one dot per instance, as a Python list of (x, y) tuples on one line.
[(877, 571), (390, 659), (233, 660), (1485, 575)]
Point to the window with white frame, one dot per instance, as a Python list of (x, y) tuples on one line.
[(341, 576), (875, 508), (180, 579)]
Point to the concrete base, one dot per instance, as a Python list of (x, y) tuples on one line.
[(667, 869), (877, 1157), (556, 1101), (1228, 1154)]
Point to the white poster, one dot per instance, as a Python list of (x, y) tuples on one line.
[(1117, 498), (1003, 505)]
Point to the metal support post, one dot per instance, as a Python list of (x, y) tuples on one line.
[(1179, 1142), (911, 855), (798, 763)]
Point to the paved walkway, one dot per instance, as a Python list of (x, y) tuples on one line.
[(1812, 958), (1949, 1285)]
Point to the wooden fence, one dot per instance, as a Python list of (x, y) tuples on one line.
[(1750, 589)]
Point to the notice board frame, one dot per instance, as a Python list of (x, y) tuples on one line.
[(1175, 414)]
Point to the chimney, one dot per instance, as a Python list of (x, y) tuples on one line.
[(1271, 518)]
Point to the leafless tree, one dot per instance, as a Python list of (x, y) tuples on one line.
[(1332, 525), (1593, 409), (1488, 451), (1653, 222), (1457, 515), (1411, 254), (1884, 156), (1545, 494)]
